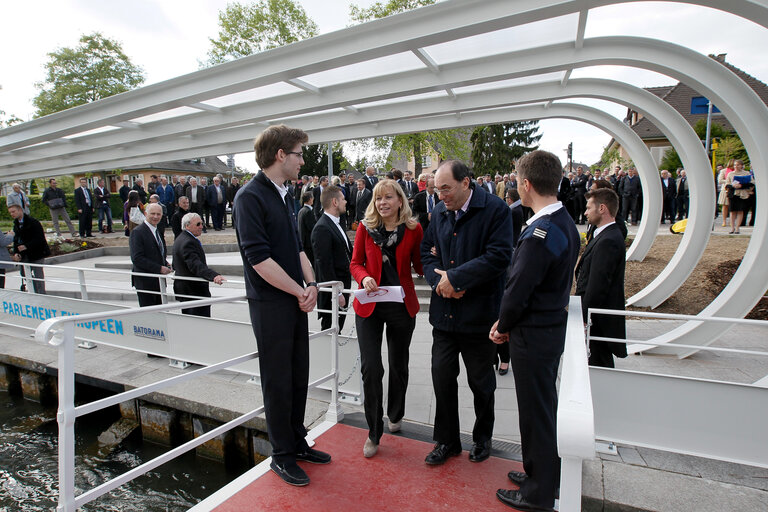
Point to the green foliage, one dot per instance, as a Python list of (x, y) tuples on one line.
[(316, 160), (8, 121), (496, 147), (382, 9), (41, 212), (671, 161), (95, 69), (730, 146), (245, 29), (611, 157)]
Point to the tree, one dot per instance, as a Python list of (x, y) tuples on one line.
[(382, 10), (8, 121), (245, 29), (316, 160), (496, 147), (95, 69), (729, 146)]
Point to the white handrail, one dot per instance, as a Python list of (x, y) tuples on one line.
[(59, 331)]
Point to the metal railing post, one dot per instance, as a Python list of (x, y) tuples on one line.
[(335, 413), (163, 291), (65, 340), (29, 279), (83, 286)]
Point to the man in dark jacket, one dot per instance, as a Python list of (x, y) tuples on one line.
[(138, 186), (148, 255), (29, 245), (362, 198), (533, 318), (125, 190), (179, 214), (307, 224), (56, 201), (668, 191), (424, 202), (84, 204), (332, 251), (102, 195), (578, 189), (196, 195), (231, 193), (189, 261), (630, 193), (465, 251), (600, 277)]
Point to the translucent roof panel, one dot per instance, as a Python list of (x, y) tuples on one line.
[(259, 93), (401, 99), (556, 76), (634, 76), (102, 129), (382, 66), (530, 35), (166, 114)]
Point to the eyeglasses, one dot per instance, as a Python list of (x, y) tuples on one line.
[(297, 153), (198, 223)]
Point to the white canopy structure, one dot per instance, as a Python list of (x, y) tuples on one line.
[(454, 64)]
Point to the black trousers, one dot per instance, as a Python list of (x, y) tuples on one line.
[(478, 353), (282, 338), (218, 215), (502, 350), (2, 278), (536, 355), (668, 210), (199, 310), (400, 327), (38, 277), (85, 221), (148, 284), (629, 205)]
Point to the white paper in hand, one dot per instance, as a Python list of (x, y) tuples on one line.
[(383, 294)]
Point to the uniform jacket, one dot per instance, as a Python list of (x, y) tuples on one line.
[(189, 261), (539, 284), (476, 251), (600, 284), (367, 261)]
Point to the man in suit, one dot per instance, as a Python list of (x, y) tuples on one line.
[(276, 270), (351, 189), (600, 277), (471, 234), (102, 195), (216, 199), (307, 224), (138, 186), (409, 186), (189, 261), (630, 193), (125, 190), (332, 250), (370, 179), (180, 188), (424, 202), (17, 196), (533, 318), (362, 199), (317, 204), (564, 192), (682, 195), (179, 214), (29, 245), (578, 189), (196, 195), (148, 255), (668, 191), (84, 204)]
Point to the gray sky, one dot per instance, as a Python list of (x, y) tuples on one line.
[(168, 37)]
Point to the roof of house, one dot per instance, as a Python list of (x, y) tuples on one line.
[(208, 165), (679, 96)]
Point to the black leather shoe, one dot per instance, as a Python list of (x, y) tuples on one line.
[(517, 477), (515, 499), (441, 452), (480, 451), (503, 371), (290, 472), (314, 456)]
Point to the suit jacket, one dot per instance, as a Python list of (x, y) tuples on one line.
[(332, 253), (102, 196), (367, 261), (317, 208), (682, 186), (579, 185), (176, 221), (410, 188), (80, 201), (368, 180), (142, 193), (630, 187), (232, 192), (564, 193), (189, 261), (669, 189), (420, 207), (600, 284), (146, 256), (362, 204), (167, 194), (212, 196), (200, 198), (306, 225), (31, 235)]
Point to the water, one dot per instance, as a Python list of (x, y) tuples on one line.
[(28, 465)]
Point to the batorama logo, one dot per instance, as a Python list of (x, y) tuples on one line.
[(148, 332)]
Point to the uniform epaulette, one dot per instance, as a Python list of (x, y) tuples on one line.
[(539, 233)]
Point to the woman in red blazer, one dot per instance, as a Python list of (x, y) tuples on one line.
[(387, 245)]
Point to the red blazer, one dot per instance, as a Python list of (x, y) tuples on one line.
[(366, 262)]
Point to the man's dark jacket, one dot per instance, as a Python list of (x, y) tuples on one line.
[(475, 251), (189, 261), (31, 235), (420, 207), (176, 221), (51, 193), (146, 257), (265, 229), (306, 225), (141, 191), (600, 284)]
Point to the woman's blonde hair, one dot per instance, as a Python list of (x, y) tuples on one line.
[(373, 219)]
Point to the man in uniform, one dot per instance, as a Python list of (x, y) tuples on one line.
[(276, 270), (533, 318)]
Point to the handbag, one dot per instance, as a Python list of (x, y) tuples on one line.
[(55, 203), (135, 215)]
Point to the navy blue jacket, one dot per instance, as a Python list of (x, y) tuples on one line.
[(542, 273), (476, 251), (264, 230)]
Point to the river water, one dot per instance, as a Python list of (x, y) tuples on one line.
[(28, 465)]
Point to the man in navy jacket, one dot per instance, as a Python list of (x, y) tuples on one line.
[(533, 319), (465, 251), (276, 269)]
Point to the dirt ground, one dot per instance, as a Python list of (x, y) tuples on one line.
[(711, 275)]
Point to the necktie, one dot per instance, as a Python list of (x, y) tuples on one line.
[(87, 197), (430, 204), (359, 194), (159, 243)]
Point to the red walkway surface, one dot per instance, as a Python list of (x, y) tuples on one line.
[(396, 479)]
